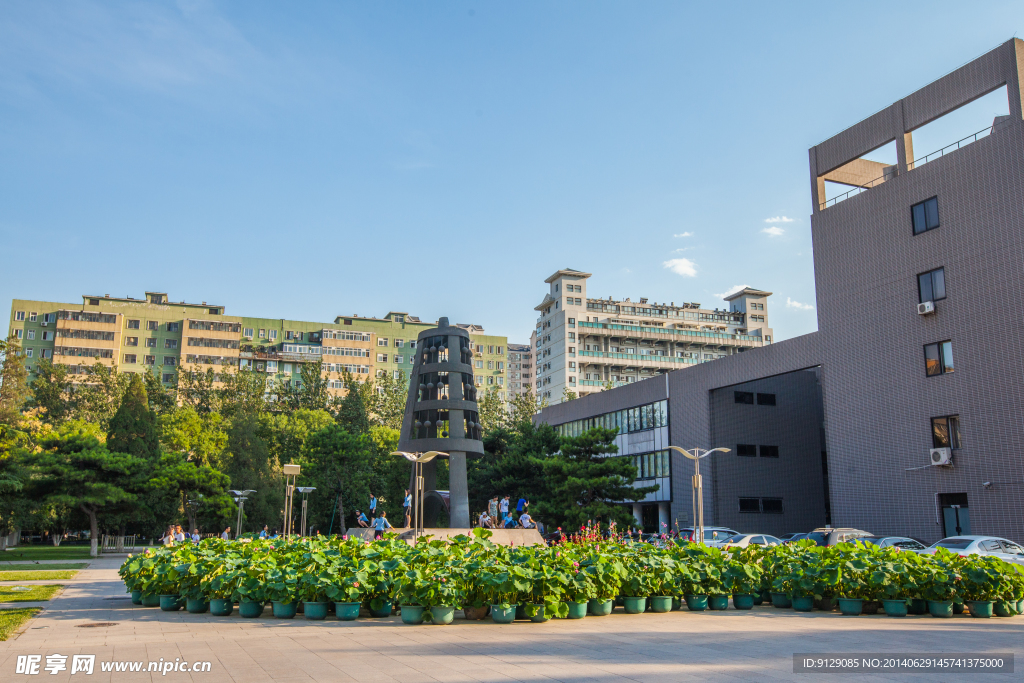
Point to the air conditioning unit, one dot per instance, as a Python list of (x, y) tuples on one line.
[(926, 308), (941, 456), (43, 324)]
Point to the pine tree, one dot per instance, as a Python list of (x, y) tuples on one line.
[(133, 428), (352, 413), (13, 382)]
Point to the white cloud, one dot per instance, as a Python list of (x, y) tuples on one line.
[(774, 231), (684, 234), (778, 219), (796, 304), (680, 250), (682, 266), (731, 290)]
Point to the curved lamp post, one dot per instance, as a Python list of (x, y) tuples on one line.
[(417, 460), (240, 498), (695, 454), (305, 491)]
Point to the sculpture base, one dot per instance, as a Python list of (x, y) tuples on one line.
[(516, 537)]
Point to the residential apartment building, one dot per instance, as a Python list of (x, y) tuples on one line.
[(585, 344), (156, 335), (917, 438), (520, 369)]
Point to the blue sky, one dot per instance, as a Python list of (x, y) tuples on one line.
[(306, 160)]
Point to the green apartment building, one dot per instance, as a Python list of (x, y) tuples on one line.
[(154, 334)]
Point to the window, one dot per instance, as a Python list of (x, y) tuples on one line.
[(931, 286), (938, 358), (151, 343), (31, 334), (134, 324), (746, 450), (479, 348), (766, 399), (382, 341), (946, 432), (168, 377), (170, 343), (173, 327), (131, 341), (170, 360), (45, 353), (94, 302), (490, 380), (247, 332), (272, 334), (399, 359), (925, 215), (150, 360), (32, 317), (771, 506), (572, 322), (19, 316), (745, 397), (478, 364), (501, 381), (572, 350), (490, 349), (750, 504), (769, 451), (490, 365), (29, 352), (382, 358), (348, 322), (572, 365), (572, 336), (150, 325), (129, 358), (18, 333), (263, 333), (412, 343), (399, 343)]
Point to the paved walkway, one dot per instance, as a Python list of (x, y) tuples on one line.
[(649, 648)]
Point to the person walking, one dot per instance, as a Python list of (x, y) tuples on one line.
[(179, 535), (195, 536), (503, 507), (168, 537), (373, 505), (227, 534), (407, 508), (492, 508), (380, 524)]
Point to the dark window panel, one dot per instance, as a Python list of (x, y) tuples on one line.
[(766, 399), (745, 397)]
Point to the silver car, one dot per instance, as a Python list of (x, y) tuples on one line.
[(743, 540), (980, 545)]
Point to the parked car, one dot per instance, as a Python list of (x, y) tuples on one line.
[(980, 545), (898, 542), (789, 537), (743, 540), (794, 538), (829, 537), (711, 533)]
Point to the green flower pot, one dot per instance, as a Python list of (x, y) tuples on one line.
[(940, 608), (250, 610), (412, 614), (1003, 608), (150, 600), (1020, 606), (744, 601), (718, 603), (661, 603), (803, 603), (634, 605), (851, 607), (171, 603), (980, 609), (577, 610), (502, 615), (221, 607), (781, 600), (895, 608), (314, 611), (285, 610), (347, 611), (918, 606), (958, 608), (696, 603), (442, 615), (196, 606), (539, 617), (600, 608), (384, 611), (759, 599), (136, 597)]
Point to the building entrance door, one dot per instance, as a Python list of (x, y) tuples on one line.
[(956, 516), (649, 515)]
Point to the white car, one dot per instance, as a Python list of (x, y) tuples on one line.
[(980, 545), (743, 540)]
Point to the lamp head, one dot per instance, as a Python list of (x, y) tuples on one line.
[(306, 489)]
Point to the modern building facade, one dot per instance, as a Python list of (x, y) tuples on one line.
[(157, 335), (584, 344), (897, 415), (520, 369)]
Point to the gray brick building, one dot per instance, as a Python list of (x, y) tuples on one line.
[(861, 404)]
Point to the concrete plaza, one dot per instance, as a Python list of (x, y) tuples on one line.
[(663, 648)]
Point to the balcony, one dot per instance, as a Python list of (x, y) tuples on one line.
[(285, 357), (669, 334), (636, 358)]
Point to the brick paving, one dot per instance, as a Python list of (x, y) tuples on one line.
[(648, 648)]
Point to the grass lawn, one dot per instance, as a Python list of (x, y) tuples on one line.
[(35, 593), (11, 619), (42, 552), (33, 567), (37, 575)]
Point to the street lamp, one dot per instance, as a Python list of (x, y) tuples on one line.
[(290, 470), (417, 460), (240, 498), (697, 494), (305, 491)]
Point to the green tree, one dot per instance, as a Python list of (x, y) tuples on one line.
[(287, 434), (99, 396), (197, 391), (248, 464), (161, 399), (14, 390), (76, 470), (493, 412), (54, 392), (308, 392), (201, 438), (387, 397), (133, 428), (340, 467), (522, 408), (185, 484), (390, 473), (13, 475), (586, 482), (512, 464), (568, 395), (352, 413), (242, 393)]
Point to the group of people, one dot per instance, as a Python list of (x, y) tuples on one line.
[(174, 534), (498, 515), (379, 520)]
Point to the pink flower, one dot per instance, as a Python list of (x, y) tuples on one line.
[(442, 580), (355, 585)]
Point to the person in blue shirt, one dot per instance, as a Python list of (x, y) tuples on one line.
[(380, 524), (509, 522), (521, 505), (373, 505), (361, 519), (265, 532), (407, 505)]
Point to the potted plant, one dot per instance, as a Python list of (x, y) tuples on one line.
[(579, 590), (348, 592), (744, 580), (940, 583), (605, 573), (853, 585)]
